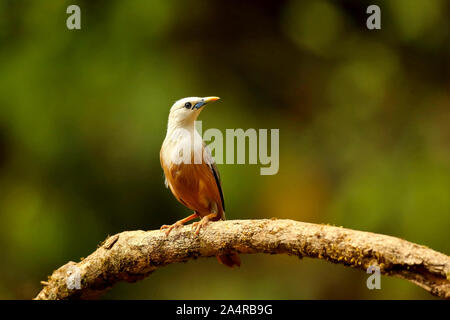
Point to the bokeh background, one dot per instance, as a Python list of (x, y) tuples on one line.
[(364, 119)]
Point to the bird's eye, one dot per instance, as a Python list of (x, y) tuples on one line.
[(187, 105)]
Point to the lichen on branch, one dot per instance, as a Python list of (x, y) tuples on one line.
[(133, 255)]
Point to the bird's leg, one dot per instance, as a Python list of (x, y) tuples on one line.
[(178, 224), (203, 222)]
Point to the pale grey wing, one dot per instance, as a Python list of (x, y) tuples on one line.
[(212, 165)]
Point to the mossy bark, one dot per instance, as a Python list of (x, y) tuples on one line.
[(133, 255)]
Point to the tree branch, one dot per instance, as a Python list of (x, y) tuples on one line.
[(133, 255)]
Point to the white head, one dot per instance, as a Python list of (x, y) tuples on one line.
[(185, 111)]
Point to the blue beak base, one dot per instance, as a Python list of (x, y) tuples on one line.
[(198, 105)]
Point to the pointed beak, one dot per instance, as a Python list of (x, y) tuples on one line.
[(204, 101), (210, 99)]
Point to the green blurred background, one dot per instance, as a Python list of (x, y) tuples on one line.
[(364, 119)]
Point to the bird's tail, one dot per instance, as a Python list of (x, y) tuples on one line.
[(229, 259)]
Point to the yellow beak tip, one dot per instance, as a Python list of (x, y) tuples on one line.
[(211, 99)]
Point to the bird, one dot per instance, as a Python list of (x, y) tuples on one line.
[(190, 171)]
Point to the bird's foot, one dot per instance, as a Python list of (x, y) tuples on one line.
[(205, 220), (200, 224), (178, 224), (169, 228)]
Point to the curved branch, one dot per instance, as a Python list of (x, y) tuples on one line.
[(133, 255)]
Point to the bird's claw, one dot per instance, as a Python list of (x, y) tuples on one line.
[(169, 228), (200, 224), (194, 226)]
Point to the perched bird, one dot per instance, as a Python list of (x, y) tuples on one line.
[(190, 171)]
